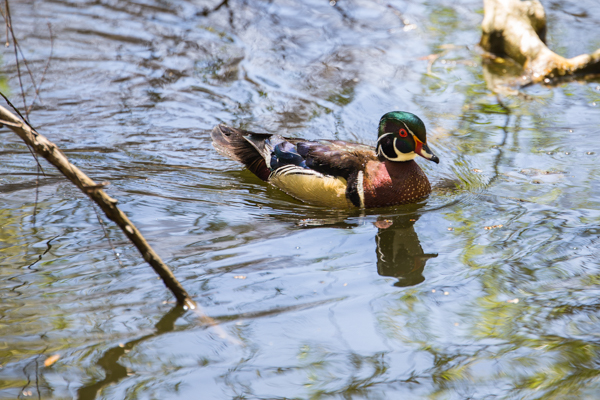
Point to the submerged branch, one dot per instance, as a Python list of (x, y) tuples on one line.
[(517, 28), (52, 153)]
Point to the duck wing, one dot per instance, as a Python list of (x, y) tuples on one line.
[(263, 153), (336, 157), (325, 172)]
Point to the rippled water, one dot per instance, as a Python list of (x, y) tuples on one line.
[(488, 289)]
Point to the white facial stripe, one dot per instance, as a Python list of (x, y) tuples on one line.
[(380, 148), (384, 135)]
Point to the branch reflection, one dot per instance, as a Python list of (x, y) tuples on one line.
[(109, 362)]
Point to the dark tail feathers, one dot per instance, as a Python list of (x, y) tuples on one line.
[(231, 143)]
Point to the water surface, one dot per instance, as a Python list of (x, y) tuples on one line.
[(488, 289)]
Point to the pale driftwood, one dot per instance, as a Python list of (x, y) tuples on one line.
[(52, 153), (517, 28)]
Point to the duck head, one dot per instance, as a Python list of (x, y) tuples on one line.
[(402, 137)]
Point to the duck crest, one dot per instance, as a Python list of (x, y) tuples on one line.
[(335, 173)]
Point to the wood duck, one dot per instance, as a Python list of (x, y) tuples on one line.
[(334, 173)]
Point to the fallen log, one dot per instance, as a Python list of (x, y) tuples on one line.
[(517, 29)]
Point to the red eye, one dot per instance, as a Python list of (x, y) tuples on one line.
[(402, 133)]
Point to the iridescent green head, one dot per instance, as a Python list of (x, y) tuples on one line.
[(402, 136)]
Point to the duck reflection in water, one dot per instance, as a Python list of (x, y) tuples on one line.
[(399, 251)]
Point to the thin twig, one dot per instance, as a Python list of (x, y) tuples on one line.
[(37, 192), (16, 124), (37, 378), (9, 25), (20, 50), (37, 91), (106, 234), (15, 109), (6, 24)]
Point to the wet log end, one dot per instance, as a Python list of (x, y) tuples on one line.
[(517, 29)]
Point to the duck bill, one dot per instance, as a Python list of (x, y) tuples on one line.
[(423, 150)]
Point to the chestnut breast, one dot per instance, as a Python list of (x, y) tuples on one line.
[(389, 183)]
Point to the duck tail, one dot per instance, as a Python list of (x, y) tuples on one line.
[(234, 144)]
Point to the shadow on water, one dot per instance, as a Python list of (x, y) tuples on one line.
[(109, 362)]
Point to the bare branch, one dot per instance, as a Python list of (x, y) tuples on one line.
[(52, 153)]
